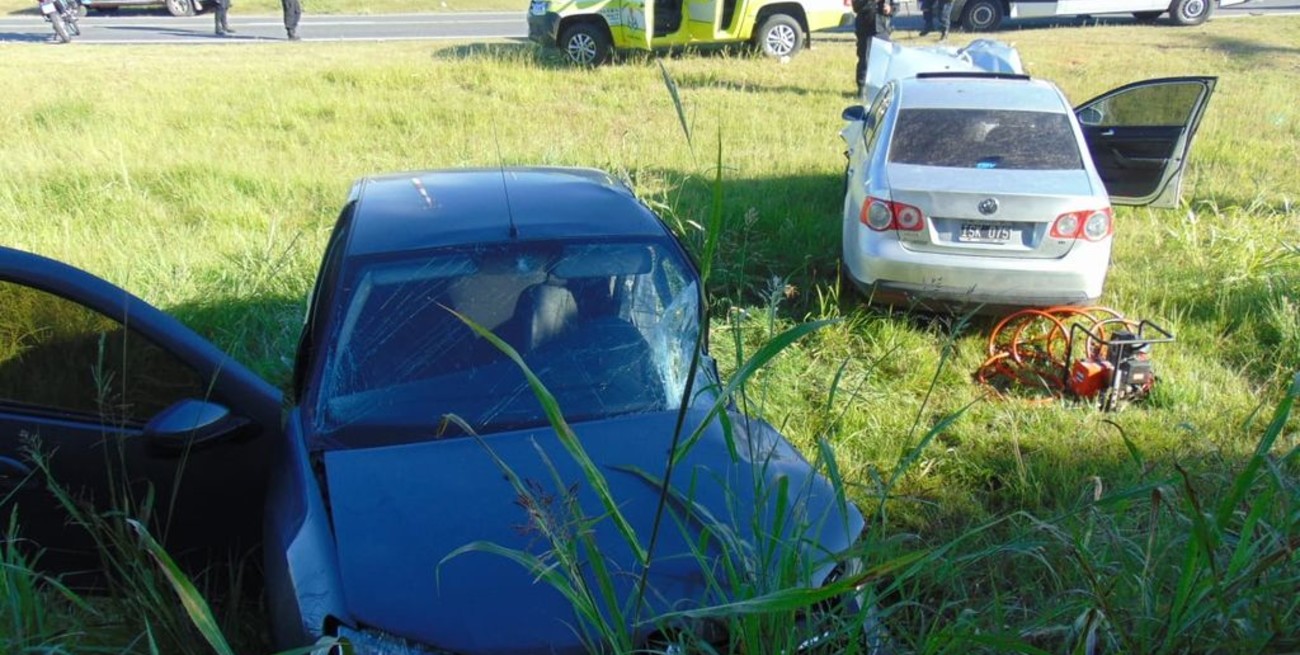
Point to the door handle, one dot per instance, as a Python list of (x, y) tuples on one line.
[(1110, 131)]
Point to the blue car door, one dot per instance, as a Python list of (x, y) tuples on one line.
[(94, 383)]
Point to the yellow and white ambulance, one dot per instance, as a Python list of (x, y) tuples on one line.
[(588, 31)]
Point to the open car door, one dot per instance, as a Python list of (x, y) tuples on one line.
[(130, 411), (1139, 136), (636, 23)]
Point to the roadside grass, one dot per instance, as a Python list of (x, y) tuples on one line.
[(1070, 522)]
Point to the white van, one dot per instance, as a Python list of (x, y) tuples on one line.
[(985, 15)]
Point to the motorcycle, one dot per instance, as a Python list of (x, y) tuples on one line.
[(63, 15)]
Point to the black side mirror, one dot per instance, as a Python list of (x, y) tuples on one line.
[(854, 113), (190, 424)]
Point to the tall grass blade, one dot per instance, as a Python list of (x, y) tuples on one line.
[(567, 438), (671, 85), (1241, 486), (193, 602)]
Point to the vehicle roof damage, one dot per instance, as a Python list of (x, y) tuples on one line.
[(891, 61)]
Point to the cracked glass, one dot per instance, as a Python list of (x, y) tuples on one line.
[(609, 328)]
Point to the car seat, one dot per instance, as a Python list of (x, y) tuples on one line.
[(542, 313)]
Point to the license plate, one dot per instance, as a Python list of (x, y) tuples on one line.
[(537, 8), (985, 233), (47, 8)]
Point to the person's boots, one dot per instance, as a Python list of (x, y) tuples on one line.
[(929, 27), (225, 27), (293, 34), (943, 36)]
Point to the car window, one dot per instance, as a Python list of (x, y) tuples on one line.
[(1164, 105), (608, 327), (992, 139), (877, 113), (60, 358)]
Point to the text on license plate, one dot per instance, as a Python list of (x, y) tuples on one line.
[(985, 233), (47, 8)]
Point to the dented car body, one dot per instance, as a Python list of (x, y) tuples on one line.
[(971, 185), (403, 420)]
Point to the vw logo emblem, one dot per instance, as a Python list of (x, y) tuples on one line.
[(988, 206)]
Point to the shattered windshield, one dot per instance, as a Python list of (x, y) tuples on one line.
[(608, 327)]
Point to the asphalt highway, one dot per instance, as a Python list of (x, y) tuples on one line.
[(155, 26)]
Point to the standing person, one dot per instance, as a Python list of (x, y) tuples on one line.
[(871, 18), (936, 8), (219, 16), (292, 12)]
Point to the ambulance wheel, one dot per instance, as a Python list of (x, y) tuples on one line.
[(585, 44)]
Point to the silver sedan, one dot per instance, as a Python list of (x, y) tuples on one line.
[(988, 189)]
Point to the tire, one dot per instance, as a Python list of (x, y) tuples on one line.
[(180, 7), (60, 29), (1190, 12), (1146, 16), (73, 27), (779, 36), (586, 44), (981, 15)]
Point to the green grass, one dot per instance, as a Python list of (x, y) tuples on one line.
[(218, 212)]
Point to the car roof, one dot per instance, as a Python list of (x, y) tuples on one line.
[(973, 92), (437, 208)]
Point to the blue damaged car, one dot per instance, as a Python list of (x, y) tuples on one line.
[(403, 420)]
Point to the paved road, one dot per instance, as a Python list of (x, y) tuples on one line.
[(158, 27), (139, 26)]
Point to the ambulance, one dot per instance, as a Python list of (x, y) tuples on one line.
[(587, 32)]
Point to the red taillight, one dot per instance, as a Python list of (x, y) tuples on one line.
[(1089, 224), (883, 215)]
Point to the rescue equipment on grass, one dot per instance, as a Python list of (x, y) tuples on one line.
[(1090, 353)]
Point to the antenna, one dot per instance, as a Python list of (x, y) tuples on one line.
[(505, 188)]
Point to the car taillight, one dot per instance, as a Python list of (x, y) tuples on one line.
[(1090, 224), (882, 215)]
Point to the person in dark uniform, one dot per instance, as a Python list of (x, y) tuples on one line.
[(872, 18), (942, 9), (292, 12), (219, 16)]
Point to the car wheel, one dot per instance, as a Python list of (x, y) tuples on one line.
[(780, 36), (1146, 16), (1190, 12), (586, 44), (180, 7), (981, 15)]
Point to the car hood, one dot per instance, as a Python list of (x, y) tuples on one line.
[(398, 511)]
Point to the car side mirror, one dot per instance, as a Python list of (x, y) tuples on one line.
[(190, 424), (854, 113), (1091, 116)]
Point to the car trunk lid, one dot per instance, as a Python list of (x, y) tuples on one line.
[(993, 212)]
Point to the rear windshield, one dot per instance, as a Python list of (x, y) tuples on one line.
[(981, 138)]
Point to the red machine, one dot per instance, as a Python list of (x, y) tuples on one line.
[(1034, 351)]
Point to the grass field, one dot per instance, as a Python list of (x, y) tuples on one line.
[(209, 191)]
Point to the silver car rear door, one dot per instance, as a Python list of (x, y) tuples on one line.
[(1139, 136)]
